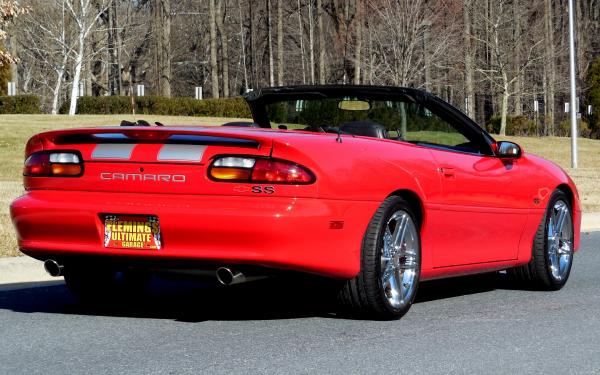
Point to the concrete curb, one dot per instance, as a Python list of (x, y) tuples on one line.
[(590, 222), (24, 269)]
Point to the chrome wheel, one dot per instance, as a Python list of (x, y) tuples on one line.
[(560, 240), (400, 259)]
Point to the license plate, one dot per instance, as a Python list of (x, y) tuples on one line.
[(134, 232)]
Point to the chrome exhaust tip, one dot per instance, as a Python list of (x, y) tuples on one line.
[(228, 276), (53, 268)]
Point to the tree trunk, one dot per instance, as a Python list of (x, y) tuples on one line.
[(87, 73), (279, 43), (311, 42), (60, 73), (77, 73), (243, 46), (358, 45), (270, 45), (301, 32), (163, 46), (214, 69), (469, 70), (220, 16), (550, 68), (56, 91), (115, 81), (321, 33), (13, 67), (517, 58), (505, 97)]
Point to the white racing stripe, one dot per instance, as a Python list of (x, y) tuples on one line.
[(113, 151), (181, 152)]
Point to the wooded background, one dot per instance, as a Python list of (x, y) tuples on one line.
[(488, 57)]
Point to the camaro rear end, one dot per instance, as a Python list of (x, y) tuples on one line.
[(342, 199)]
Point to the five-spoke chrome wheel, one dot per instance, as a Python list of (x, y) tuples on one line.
[(560, 240), (400, 259), (387, 283), (553, 247)]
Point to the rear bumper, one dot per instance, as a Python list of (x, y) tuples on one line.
[(281, 233)]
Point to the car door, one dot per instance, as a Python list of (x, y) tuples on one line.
[(480, 214)]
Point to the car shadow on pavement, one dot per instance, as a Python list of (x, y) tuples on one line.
[(201, 301)]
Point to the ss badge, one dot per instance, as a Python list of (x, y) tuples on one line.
[(257, 189)]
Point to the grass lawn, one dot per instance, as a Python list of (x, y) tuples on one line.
[(16, 129)]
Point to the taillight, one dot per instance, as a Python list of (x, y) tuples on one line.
[(53, 164), (248, 169)]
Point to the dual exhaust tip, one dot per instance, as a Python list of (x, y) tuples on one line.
[(225, 275)]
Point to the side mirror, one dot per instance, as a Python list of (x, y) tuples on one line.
[(508, 150)]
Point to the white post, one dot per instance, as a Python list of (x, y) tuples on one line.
[(199, 92), (140, 90), (12, 89), (536, 110), (573, 85), (81, 89)]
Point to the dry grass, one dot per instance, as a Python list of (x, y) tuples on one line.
[(16, 129)]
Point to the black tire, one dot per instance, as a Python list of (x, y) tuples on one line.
[(92, 285), (537, 274), (364, 296)]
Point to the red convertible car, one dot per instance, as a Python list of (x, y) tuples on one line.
[(379, 188)]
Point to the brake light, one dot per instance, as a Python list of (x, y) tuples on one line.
[(247, 169), (53, 164)]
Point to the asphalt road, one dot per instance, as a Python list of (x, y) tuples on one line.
[(467, 325)]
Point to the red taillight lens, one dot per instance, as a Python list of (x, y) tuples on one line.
[(37, 164), (53, 164), (249, 169), (274, 171)]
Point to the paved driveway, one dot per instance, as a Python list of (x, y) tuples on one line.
[(467, 325)]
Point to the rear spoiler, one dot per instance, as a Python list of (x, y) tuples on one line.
[(186, 139), (144, 135)]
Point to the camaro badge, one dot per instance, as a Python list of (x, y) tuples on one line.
[(142, 177)]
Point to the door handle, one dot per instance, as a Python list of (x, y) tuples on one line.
[(446, 171)]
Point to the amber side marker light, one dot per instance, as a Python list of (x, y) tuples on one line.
[(53, 164), (249, 169)]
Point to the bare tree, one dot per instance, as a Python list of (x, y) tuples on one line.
[(279, 43), (359, 37), (219, 17), (51, 48), (399, 27), (301, 37), (501, 71), (549, 68), (84, 14), (270, 45), (162, 23), (321, 32), (469, 70), (214, 69)]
